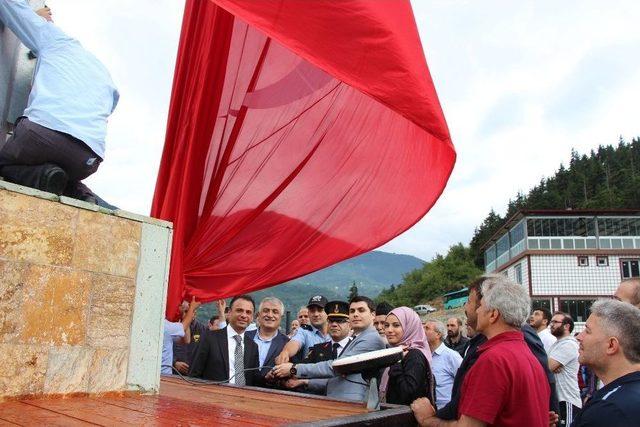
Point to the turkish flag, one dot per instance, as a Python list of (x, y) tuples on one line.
[(300, 133)]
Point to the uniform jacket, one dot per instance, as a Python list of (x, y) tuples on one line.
[(320, 353), (212, 359), (353, 387)]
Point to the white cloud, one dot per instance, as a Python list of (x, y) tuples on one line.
[(521, 83)]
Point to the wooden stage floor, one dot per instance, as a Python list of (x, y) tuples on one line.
[(180, 403)]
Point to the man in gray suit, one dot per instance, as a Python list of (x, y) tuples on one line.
[(321, 375)]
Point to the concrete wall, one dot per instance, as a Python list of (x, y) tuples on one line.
[(82, 296), (16, 70)]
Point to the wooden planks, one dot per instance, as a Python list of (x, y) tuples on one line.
[(180, 403)]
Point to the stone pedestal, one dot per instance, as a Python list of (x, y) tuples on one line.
[(82, 296)]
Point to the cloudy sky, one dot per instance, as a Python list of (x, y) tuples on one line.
[(521, 83)]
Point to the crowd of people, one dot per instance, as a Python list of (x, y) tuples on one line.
[(503, 365)]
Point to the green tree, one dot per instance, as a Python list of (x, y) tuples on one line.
[(353, 291)]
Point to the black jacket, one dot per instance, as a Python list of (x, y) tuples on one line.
[(320, 353), (410, 379), (212, 358), (450, 410), (186, 352)]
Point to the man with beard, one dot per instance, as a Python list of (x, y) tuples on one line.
[(303, 340), (540, 320), (455, 340), (563, 362), (450, 411), (610, 345), (506, 386)]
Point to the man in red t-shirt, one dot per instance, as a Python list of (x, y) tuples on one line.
[(506, 386)]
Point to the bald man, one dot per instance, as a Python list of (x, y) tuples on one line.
[(629, 291)]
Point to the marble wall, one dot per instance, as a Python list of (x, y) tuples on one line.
[(78, 286)]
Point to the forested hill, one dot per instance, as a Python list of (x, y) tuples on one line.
[(606, 178), (371, 273)]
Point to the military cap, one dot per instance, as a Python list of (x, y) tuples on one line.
[(337, 309)]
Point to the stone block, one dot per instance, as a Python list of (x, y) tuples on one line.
[(68, 370), (12, 287), (111, 311), (36, 230), (22, 369), (54, 307), (108, 370), (107, 244)]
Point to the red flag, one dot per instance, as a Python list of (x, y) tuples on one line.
[(300, 133)]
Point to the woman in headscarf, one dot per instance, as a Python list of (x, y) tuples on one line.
[(410, 378)]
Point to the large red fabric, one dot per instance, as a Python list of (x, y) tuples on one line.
[(300, 133)]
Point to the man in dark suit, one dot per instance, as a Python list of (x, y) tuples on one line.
[(229, 354), (268, 338)]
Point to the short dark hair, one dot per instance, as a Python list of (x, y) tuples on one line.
[(244, 297), (383, 308), (214, 318), (546, 313), (476, 286), (360, 298), (566, 319)]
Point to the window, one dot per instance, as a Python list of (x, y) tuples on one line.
[(490, 254), (629, 268), (502, 245), (561, 227), (583, 261), (540, 303), (517, 271), (619, 226), (517, 233), (602, 261), (577, 308)]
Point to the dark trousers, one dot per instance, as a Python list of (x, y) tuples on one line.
[(26, 154), (567, 413)]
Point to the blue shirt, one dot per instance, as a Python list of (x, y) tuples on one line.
[(173, 331), (444, 364), (72, 90), (263, 346), (309, 338)]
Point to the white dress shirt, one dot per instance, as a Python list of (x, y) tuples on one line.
[(231, 344), (341, 344)]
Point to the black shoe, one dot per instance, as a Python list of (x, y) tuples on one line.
[(53, 179)]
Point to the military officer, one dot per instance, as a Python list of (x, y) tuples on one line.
[(339, 330)]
